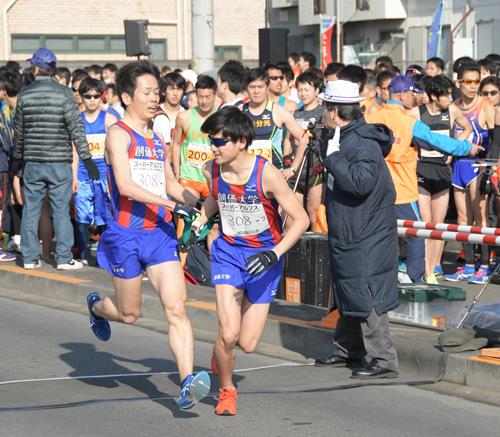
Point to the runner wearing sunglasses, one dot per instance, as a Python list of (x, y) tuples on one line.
[(91, 199), (246, 257), (470, 198)]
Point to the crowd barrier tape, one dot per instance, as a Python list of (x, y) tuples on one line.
[(448, 227), (464, 237)]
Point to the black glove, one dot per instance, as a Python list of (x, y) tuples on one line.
[(16, 165), (92, 169), (261, 261), (185, 210)]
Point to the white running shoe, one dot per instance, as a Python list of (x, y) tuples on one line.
[(71, 265), (34, 265)]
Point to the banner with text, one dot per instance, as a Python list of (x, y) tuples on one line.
[(327, 26)]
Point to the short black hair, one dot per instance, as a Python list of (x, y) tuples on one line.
[(233, 73), (353, 73), (346, 111), (384, 59), (468, 67), (495, 57), (414, 69), (206, 82), (111, 67), (90, 83), (438, 86), (286, 70), (309, 58), (232, 123), (317, 71), (295, 56), (310, 78), (126, 76), (489, 65), (384, 75), (490, 80), (78, 75), (438, 61), (171, 79), (333, 68), (13, 67), (462, 61), (256, 74), (94, 68), (64, 73), (11, 83)]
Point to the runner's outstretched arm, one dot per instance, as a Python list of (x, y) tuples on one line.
[(274, 185)]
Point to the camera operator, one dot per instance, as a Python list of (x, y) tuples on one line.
[(362, 237)]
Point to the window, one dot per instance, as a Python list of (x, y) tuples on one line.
[(158, 49), (226, 53), (319, 7), (70, 43)]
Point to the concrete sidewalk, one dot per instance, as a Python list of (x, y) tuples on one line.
[(288, 333)]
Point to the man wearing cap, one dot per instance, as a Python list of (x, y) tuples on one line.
[(362, 236), (402, 160), (47, 122)]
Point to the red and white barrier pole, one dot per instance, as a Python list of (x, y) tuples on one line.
[(464, 237), (448, 227)]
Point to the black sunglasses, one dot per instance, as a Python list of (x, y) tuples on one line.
[(218, 142), (91, 96)]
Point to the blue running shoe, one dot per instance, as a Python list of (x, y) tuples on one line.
[(438, 271), (480, 277), (99, 326), (193, 389), (462, 273)]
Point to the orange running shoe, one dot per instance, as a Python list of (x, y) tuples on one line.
[(213, 365), (227, 402)]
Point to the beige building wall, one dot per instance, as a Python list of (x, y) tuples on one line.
[(236, 23)]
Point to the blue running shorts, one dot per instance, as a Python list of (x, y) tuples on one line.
[(228, 267), (463, 173), (92, 204), (126, 253)]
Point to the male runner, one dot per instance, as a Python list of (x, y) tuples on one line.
[(470, 199), (275, 89), (434, 67), (141, 235), (172, 87), (433, 170), (269, 120), (246, 264), (191, 147), (231, 83), (91, 196), (306, 60), (308, 86)]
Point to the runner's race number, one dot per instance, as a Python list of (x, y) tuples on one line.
[(197, 154), (96, 145), (262, 148), (240, 219), (150, 175)]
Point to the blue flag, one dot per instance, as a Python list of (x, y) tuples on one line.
[(437, 24)]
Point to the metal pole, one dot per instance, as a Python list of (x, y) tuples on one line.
[(202, 31), (339, 31)]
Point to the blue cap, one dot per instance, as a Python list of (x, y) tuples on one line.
[(401, 84), (43, 58)]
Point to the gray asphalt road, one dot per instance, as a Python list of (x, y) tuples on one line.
[(46, 349)]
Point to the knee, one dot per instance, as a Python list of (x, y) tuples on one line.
[(176, 311), (248, 346), (228, 340), (129, 317)]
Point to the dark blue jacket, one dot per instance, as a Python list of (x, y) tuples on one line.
[(362, 221), (6, 141)]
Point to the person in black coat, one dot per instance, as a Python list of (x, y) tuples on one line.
[(362, 231)]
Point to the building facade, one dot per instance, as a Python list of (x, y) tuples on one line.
[(93, 30)]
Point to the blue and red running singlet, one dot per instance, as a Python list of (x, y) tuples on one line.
[(248, 217), (147, 163)]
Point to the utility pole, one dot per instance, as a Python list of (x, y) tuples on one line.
[(339, 32), (202, 35)]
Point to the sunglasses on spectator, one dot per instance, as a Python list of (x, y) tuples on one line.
[(218, 142), (91, 96), (489, 93), (276, 77), (470, 82)]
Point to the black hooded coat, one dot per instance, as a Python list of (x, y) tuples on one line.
[(362, 221)]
